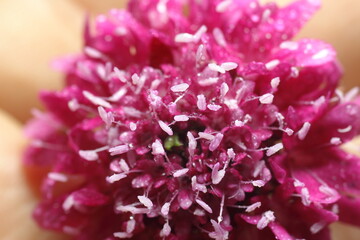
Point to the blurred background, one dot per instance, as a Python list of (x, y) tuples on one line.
[(34, 32)]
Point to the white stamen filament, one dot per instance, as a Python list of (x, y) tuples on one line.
[(165, 128), (272, 64), (223, 6), (145, 201), (119, 149), (228, 66), (206, 136), (184, 38), (181, 118), (166, 230), (180, 172), (266, 98), (345, 130), (253, 206), (182, 87), (96, 100), (266, 218), (204, 205), (216, 68), (216, 174), (304, 130), (213, 107), (192, 143), (274, 149), (275, 82), (214, 144), (115, 177), (157, 148), (59, 177), (201, 102)]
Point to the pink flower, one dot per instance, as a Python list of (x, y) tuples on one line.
[(198, 120)]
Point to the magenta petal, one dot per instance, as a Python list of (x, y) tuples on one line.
[(279, 231), (89, 197), (349, 210)]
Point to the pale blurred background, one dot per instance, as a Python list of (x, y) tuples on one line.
[(34, 32)]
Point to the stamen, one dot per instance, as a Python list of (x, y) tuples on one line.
[(68, 203), (119, 149), (181, 118), (206, 136), (184, 38), (73, 104), (130, 225), (96, 100), (266, 98), (220, 217), (118, 95), (259, 166), (146, 201), (274, 149), (197, 186), (253, 206), (199, 33), (157, 148), (223, 90), (345, 130), (272, 64), (115, 177), (107, 117), (165, 209), (350, 95), (216, 68), (213, 107), (122, 235), (182, 87), (204, 205), (165, 128), (258, 183), (192, 143), (223, 6), (317, 227), (93, 53), (166, 230), (304, 131), (335, 141), (266, 218), (214, 144), (201, 102), (132, 126), (216, 174), (228, 66), (305, 196), (180, 172), (289, 45), (58, 177), (275, 82), (219, 37), (231, 154), (89, 155)]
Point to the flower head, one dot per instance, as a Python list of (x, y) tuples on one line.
[(198, 120)]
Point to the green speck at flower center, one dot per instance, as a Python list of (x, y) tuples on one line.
[(172, 141)]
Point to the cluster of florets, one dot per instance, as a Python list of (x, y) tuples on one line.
[(198, 120)]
